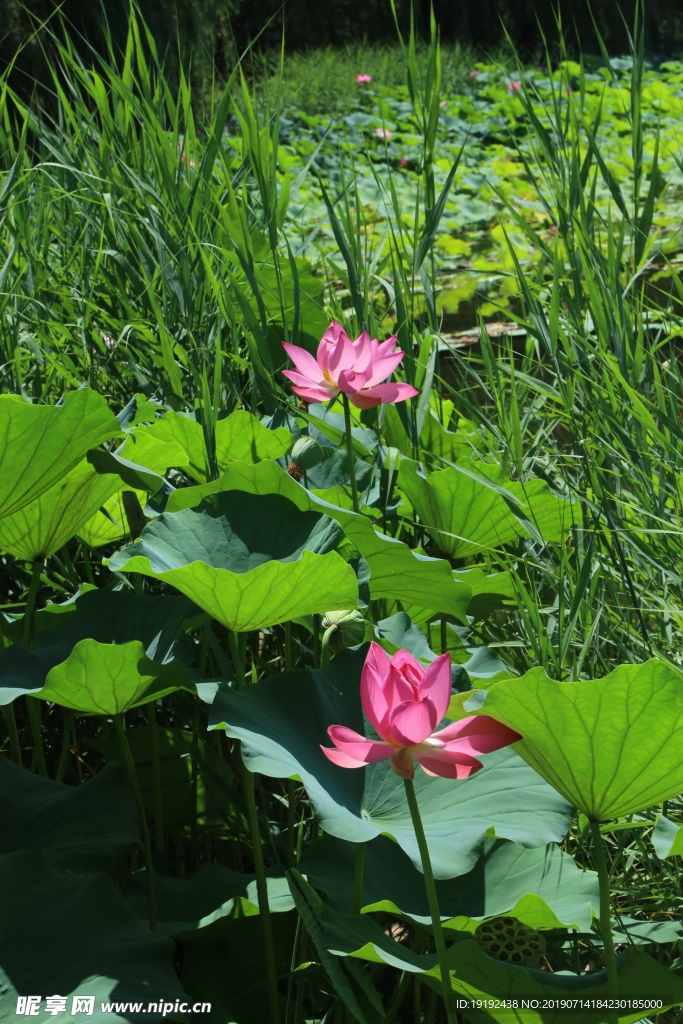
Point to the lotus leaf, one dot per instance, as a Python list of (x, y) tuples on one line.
[(472, 507), (395, 570), (283, 721), (248, 560), (611, 746), (42, 443)]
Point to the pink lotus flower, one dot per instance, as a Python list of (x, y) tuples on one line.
[(444, 103), (405, 702), (474, 72), (109, 342), (512, 86), (403, 162), (354, 367), (383, 133), (361, 79)]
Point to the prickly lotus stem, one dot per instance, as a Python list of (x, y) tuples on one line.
[(342, 629)]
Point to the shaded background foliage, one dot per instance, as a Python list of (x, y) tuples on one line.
[(208, 34)]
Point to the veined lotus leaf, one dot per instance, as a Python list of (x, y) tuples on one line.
[(42, 443), (239, 437), (44, 525), (667, 838), (395, 570), (76, 828), (542, 887), (611, 746), (207, 898), (141, 463), (139, 637), (477, 976), (106, 679), (469, 509), (248, 560), (113, 527), (283, 721), (103, 952), (435, 439)]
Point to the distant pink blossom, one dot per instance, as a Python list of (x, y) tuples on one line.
[(109, 342), (553, 230), (444, 103), (361, 79), (183, 157), (474, 72), (352, 367), (404, 703), (512, 86), (383, 133), (403, 162)]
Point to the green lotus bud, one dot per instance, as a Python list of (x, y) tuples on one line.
[(508, 940), (307, 453), (343, 629)]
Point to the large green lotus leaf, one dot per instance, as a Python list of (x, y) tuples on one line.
[(465, 515), (239, 437), (248, 560), (46, 524), (541, 887), (397, 632), (112, 527), (206, 899), (476, 976), (611, 746), (106, 679), (141, 461), (395, 570), (667, 838), (41, 443), (435, 439), (43, 526), (103, 619), (68, 935), (79, 828), (283, 721), (489, 591)]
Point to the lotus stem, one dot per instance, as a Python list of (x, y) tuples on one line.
[(262, 890), (439, 941), (605, 910), (291, 784), (358, 878), (238, 654), (142, 820), (14, 744), (35, 718), (349, 453), (30, 602), (159, 842), (66, 736)]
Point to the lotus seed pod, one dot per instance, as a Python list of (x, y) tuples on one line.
[(343, 629), (508, 940), (307, 453)]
